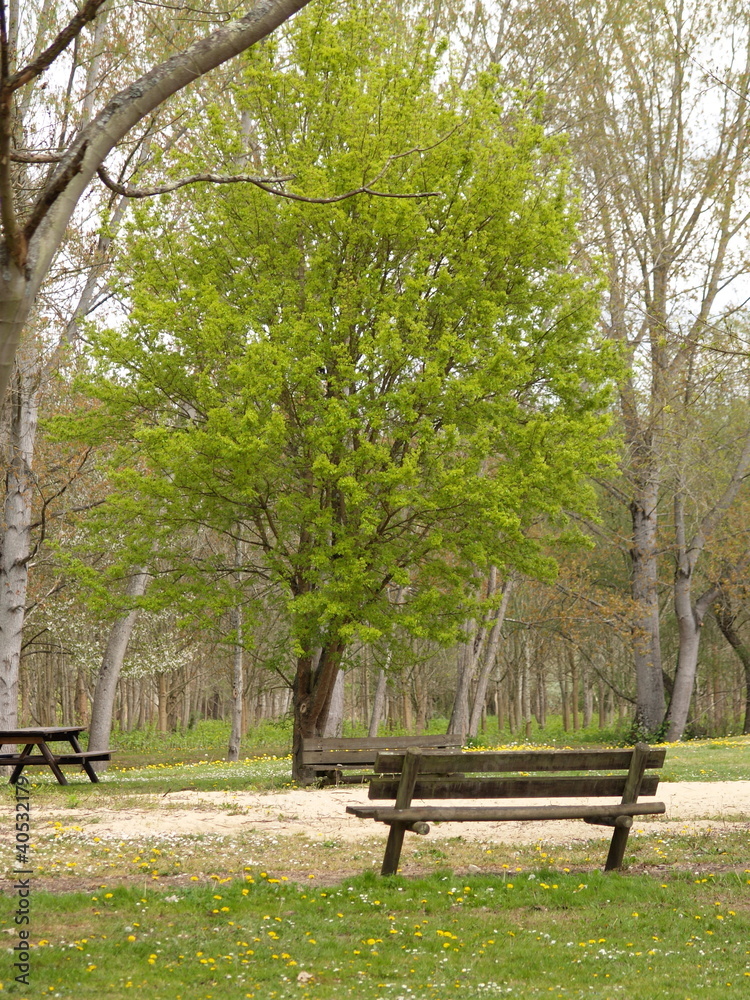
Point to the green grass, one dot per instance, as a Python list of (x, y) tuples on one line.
[(723, 759), (535, 934)]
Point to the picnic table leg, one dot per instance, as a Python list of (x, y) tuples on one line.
[(21, 764), (629, 795), (85, 764), (49, 757), (409, 772)]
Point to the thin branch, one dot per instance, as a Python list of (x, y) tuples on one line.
[(28, 156), (270, 184), (127, 191), (45, 59), (53, 192), (210, 16)]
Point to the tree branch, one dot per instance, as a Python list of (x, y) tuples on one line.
[(27, 156), (45, 59), (269, 184), (127, 191), (53, 192)]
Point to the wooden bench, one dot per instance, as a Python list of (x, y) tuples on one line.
[(413, 774), (329, 756)]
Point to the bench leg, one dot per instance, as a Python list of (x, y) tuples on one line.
[(629, 795), (393, 848), (617, 845), (409, 772)]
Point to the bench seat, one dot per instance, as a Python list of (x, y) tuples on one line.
[(7, 759)]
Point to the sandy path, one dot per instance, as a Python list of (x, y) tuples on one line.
[(320, 814)]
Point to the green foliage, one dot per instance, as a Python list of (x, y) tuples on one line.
[(387, 391)]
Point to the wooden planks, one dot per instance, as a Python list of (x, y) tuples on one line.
[(518, 761), (471, 787), (328, 756), (477, 814)]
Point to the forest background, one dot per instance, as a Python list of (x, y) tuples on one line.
[(569, 493)]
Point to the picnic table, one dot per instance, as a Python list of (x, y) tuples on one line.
[(40, 737)]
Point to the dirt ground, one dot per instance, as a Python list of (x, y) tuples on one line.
[(321, 814)]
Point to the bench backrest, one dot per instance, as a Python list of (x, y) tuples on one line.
[(472, 775), (355, 750)]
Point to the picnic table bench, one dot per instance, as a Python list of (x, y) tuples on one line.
[(329, 756), (529, 774), (40, 737)]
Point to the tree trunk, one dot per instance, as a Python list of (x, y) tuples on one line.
[(314, 682), (526, 690), (109, 671), (650, 701), (459, 720), (334, 726), (238, 687), (726, 619), (20, 419), (423, 699), (378, 704), (574, 688), (490, 653), (564, 705), (162, 690)]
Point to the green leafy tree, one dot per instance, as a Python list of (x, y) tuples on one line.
[(381, 394)]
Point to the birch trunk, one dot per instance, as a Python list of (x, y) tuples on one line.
[(378, 704), (490, 654), (459, 720), (334, 726), (238, 688), (111, 665), (20, 417), (649, 682)]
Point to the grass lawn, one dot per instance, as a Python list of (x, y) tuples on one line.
[(203, 917), (547, 933)]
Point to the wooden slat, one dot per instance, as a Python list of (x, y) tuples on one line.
[(59, 758), (536, 760), (312, 743), (512, 788), (475, 814), (77, 758), (346, 758), (354, 758)]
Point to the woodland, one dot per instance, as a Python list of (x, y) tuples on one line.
[(375, 362)]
